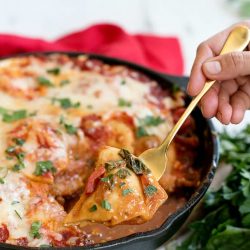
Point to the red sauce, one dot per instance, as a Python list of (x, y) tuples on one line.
[(23, 241), (4, 233)]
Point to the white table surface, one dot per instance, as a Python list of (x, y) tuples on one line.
[(192, 21)]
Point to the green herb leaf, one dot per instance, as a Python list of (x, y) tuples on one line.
[(123, 82), (13, 116), (106, 205), (124, 103), (15, 202), (43, 81), (19, 141), (35, 228), (70, 129), (133, 162), (43, 167), (122, 184), (18, 215), (10, 149), (93, 208), (17, 167), (151, 121), (123, 173), (1, 181), (64, 82), (150, 190), (141, 131), (54, 71), (125, 192), (66, 103)]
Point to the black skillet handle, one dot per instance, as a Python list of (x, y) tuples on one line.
[(181, 81)]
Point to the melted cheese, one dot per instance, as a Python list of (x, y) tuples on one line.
[(96, 93)]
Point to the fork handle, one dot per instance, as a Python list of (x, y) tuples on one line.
[(189, 109)]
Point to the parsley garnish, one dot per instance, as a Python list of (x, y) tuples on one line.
[(106, 205), (15, 202), (12, 116), (54, 71), (123, 173), (19, 141), (109, 180), (122, 184), (19, 216), (34, 230), (133, 162), (43, 167), (10, 150), (44, 81), (70, 129), (151, 120), (1, 181), (66, 103), (150, 190), (124, 103), (93, 208), (64, 82), (127, 191), (225, 221), (20, 165), (175, 88), (123, 82), (141, 131)]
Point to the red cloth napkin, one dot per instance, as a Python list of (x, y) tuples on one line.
[(159, 53)]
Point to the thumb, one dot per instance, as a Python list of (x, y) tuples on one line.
[(228, 66)]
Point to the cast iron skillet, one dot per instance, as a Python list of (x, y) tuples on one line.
[(207, 160)]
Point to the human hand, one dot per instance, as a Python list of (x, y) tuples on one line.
[(229, 97)]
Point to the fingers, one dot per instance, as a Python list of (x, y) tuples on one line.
[(240, 103), (206, 50), (209, 103), (228, 66)]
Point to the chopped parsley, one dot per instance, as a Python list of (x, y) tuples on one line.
[(34, 230), (54, 71), (19, 141), (93, 208), (125, 192), (43, 167), (10, 149), (147, 121), (124, 103), (20, 164), (109, 180), (1, 181), (106, 205), (150, 190), (151, 120), (17, 167), (133, 162), (123, 173), (18, 215), (12, 116), (122, 184), (15, 202), (70, 129), (123, 82), (141, 131), (43, 81), (110, 165), (64, 82), (66, 103)]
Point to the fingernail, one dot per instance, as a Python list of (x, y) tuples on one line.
[(213, 67)]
